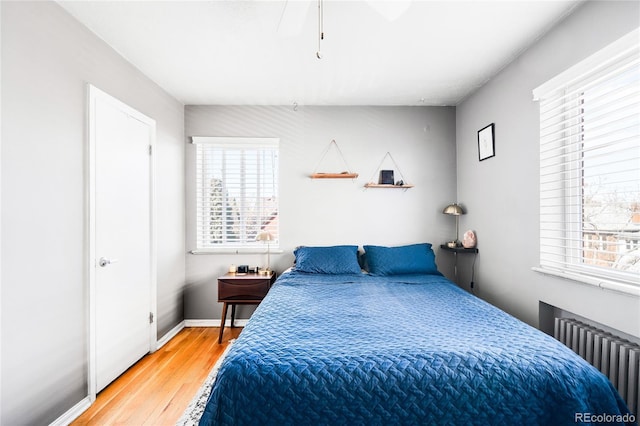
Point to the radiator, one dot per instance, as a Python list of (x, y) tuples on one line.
[(614, 356)]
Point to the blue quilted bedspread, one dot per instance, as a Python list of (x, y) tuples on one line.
[(400, 350)]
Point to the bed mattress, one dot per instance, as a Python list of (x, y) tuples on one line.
[(403, 350)]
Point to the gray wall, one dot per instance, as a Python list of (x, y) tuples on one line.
[(47, 59), (501, 193), (326, 212)]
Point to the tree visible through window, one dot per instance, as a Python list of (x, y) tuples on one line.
[(237, 191)]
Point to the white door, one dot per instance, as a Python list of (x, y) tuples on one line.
[(120, 146)]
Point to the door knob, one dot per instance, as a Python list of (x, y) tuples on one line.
[(104, 261)]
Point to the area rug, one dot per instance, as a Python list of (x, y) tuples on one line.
[(192, 414)]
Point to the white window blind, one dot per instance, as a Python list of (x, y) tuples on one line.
[(236, 191), (590, 166)]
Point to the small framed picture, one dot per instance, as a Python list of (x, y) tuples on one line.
[(486, 142), (386, 177)]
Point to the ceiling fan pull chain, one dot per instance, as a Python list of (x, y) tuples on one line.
[(320, 27)]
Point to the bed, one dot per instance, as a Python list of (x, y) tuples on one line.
[(400, 345)]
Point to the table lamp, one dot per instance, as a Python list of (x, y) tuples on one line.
[(454, 210), (266, 236)]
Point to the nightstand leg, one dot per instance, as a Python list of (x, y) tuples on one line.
[(455, 266), (233, 314), (222, 321)]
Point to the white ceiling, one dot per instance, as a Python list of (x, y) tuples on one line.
[(264, 52)]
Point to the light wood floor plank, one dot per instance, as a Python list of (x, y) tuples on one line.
[(157, 389)]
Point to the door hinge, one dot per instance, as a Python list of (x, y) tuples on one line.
[(150, 317), (150, 149)]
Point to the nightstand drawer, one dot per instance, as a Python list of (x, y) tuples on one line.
[(243, 289)]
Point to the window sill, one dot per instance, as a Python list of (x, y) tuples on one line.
[(251, 250), (592, 281)]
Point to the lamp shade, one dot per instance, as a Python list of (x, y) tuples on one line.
[(453, 209), (264, 236)]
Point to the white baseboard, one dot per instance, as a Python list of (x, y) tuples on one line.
[(213, 323), (170, 335), (73, 413)]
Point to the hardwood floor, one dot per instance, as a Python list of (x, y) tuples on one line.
[(157, 389)]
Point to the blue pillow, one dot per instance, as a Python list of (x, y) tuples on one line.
[(327, 260), (410, 259)]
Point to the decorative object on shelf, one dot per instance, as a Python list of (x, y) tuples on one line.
[(386, 177), (469, 239), (486, 142), (267, 237), (340, 175), (456, 210)]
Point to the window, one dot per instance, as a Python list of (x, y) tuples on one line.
[(590, 167), (237, 191)]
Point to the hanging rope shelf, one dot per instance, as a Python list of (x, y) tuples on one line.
[(386, 177), (341, 175)]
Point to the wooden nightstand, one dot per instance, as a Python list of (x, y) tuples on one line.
[(241, 289)]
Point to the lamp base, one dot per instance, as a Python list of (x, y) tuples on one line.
[(264, 271)]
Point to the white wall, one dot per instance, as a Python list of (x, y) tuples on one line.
[(327, 212), (502, 192), (47, 60)]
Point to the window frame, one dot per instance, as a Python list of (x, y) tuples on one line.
[(567, 261), (231, 145)]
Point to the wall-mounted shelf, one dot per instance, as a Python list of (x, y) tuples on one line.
[(378, 185), (389, 178), (459, 249), (343, 175)]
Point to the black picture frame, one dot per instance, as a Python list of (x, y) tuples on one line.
[(486, 142), (386, 177)]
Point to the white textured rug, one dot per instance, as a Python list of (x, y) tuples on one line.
[(192, 414)]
